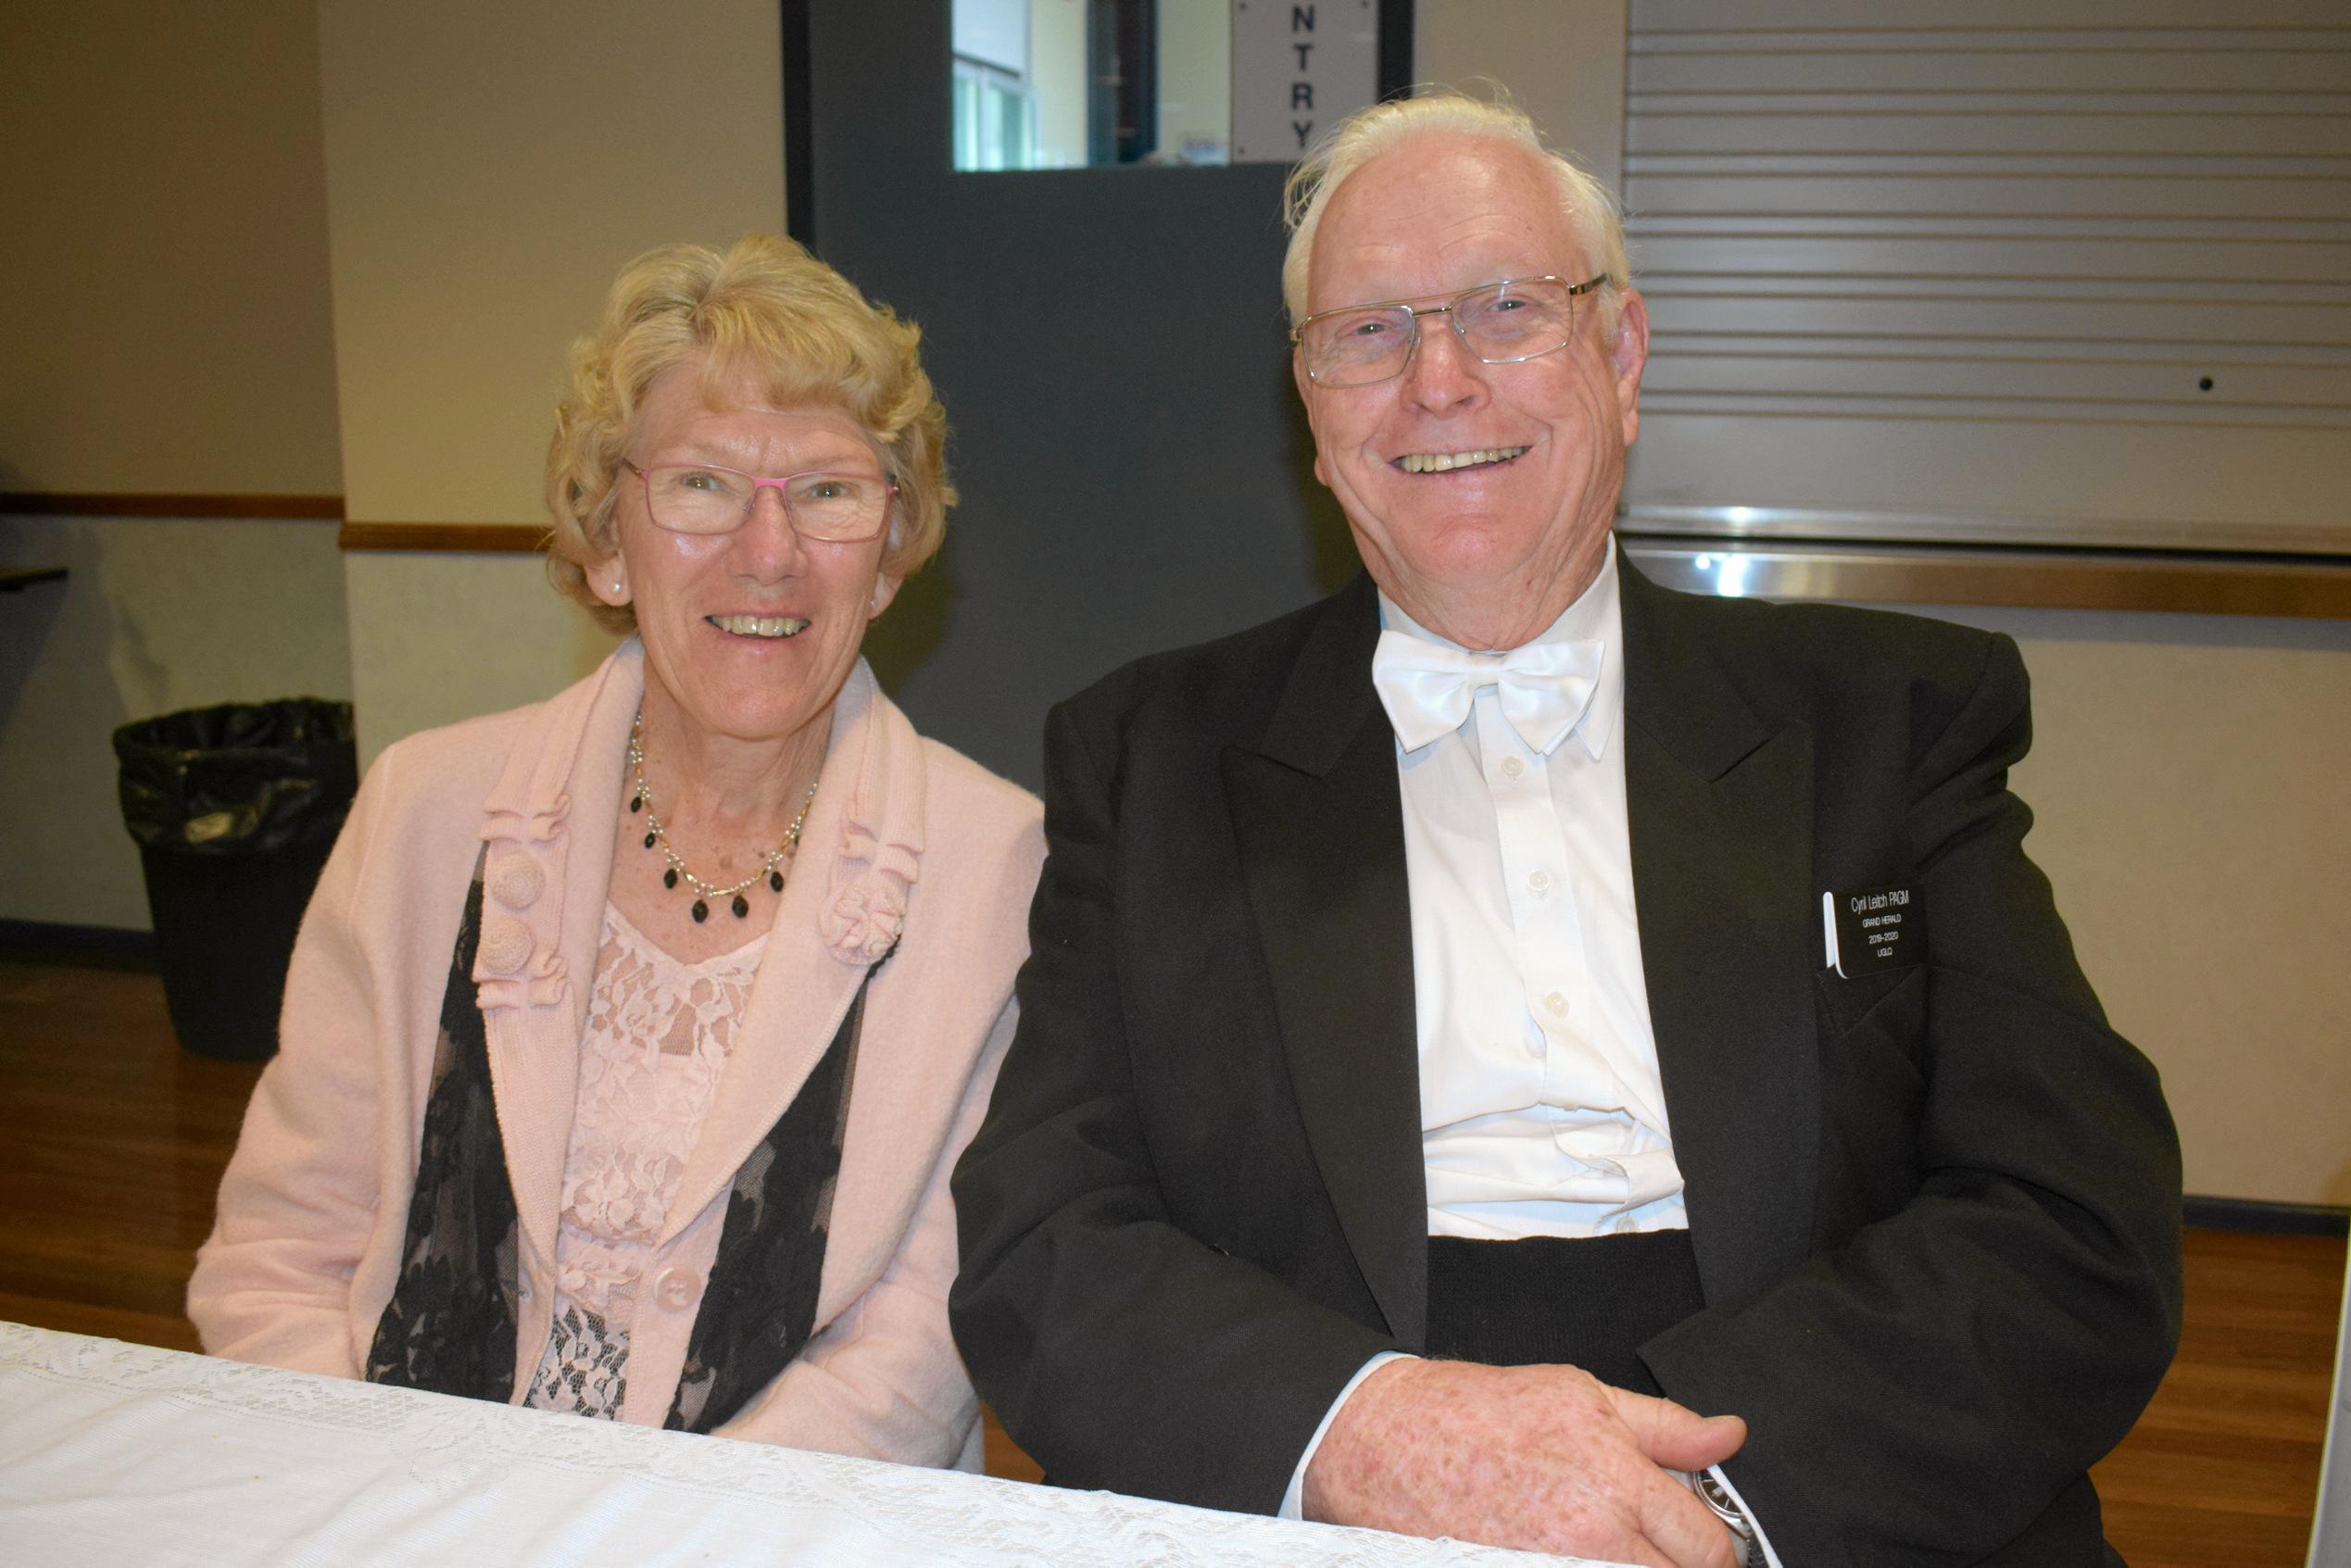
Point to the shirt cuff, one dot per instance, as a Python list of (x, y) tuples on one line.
[(1293, 1500), (1770, 1557)]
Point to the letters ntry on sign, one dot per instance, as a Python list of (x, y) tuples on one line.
[(1297, 66)]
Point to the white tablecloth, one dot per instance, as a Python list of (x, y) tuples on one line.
[(130, 1457)]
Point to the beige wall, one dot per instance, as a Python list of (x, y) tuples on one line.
[(2188, 776), (1563, 61), (164, 250), (488, 170), (449, 636)]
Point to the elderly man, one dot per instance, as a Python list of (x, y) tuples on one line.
[(1482, 1020)]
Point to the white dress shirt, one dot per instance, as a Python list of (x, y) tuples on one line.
[(1542, 1111)]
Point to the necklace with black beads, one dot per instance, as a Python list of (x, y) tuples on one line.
[(657, 837)]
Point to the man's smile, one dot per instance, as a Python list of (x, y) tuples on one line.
[(1446, 462)]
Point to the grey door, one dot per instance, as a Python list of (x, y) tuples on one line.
[(1110, 344)]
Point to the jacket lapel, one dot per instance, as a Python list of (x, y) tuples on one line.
[(547, 828), (1318, 816), (1720, 805), (864, 831)]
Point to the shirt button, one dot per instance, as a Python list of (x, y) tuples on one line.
[(1539, 881), (677, 1288), (1512, 767), (1555, 1002)]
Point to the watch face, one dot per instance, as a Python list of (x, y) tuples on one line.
[(1715, 1496)]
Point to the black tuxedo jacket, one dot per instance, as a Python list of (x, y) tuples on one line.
[(1935, 1211)]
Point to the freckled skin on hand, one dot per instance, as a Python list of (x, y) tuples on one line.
[(1537, 1458)]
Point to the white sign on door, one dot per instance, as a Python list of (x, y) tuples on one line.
[(1299, 67)]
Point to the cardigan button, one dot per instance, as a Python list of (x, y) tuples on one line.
[(506, 943), (516, 881), (677, 1288)]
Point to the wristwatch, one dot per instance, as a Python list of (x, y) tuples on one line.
[(1715, 1496)]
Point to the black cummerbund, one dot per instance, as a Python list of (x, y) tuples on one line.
[(1590, 1302)]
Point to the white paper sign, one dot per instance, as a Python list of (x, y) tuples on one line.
[(1299, 67)]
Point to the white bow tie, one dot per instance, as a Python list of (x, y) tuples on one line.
[(1428, 687)]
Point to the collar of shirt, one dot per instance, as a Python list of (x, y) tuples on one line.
[(1594, 617)]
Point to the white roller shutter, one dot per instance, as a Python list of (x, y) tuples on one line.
[(2069, 272)]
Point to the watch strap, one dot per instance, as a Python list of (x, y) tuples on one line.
[(1717, 1497)]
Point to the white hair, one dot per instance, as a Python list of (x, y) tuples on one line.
[(1383, 128)]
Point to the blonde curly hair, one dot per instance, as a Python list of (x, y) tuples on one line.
[(762, 306)]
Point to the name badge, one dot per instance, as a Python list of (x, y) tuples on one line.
[(1879, 928)]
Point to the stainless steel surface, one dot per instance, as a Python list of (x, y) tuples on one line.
[(2098, 534), (2045, 579)]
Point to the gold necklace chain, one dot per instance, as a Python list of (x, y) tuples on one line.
[(658, 837)]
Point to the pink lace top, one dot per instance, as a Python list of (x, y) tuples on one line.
[(657, 1041)]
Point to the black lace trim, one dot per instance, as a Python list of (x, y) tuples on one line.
[(449, 1326), (760, 1305)]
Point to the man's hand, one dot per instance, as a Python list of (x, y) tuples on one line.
[(1539, 1458)]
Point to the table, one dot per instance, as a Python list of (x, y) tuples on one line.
[(139, 1458)]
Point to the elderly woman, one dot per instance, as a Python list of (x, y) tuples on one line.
[(631, 1036)]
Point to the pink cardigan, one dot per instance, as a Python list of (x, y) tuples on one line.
[(313, 1210)]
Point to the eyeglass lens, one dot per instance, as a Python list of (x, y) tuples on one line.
[(1501, 324), (833, 507)]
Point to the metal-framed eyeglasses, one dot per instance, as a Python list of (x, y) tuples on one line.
[(836, 508), (1503, 324)]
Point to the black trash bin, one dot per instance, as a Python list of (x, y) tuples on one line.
[(234, 809)]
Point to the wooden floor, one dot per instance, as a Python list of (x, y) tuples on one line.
[(114, 1139)]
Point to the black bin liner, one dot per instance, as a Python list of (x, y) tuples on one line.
[(234, 809)]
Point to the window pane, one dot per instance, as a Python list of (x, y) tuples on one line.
[(1066, 84)]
